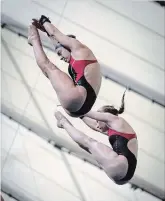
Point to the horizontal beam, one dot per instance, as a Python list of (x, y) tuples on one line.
[(9, 195), (12, 191), (107, 71)]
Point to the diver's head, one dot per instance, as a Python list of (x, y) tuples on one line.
[(63, 51), (110, 109)]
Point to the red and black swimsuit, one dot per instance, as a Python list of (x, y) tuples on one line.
[(76, 71), (119, 143)]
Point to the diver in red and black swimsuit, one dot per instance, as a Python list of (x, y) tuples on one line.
[(78, 93), (118, 162), (76, 70)]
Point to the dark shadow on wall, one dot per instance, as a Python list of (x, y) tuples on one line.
[(161, 3)]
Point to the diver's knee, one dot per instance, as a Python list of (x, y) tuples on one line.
[(117, 170), (68, 104), (72, 103)]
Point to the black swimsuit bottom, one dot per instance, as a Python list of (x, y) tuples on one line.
[(119, 145)]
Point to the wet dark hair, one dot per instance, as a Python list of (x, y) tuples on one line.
[(113, 110), (60, 45)]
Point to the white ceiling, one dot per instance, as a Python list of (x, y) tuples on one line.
[(129, 41)]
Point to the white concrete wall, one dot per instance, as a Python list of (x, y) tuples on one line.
[(128, 36), (34, 168), (19, 67)]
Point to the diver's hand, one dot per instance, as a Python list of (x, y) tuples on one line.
[(38, 25), (44, 19)]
